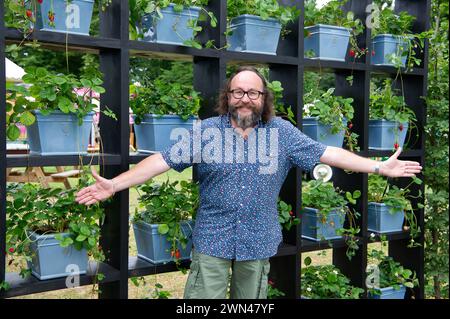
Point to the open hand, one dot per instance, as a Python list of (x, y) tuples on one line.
[(102, 189), (394, 167)]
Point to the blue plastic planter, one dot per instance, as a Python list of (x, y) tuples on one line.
[(384, 45), (327, 42), (384, 134), (59, 134), (153, 134), (154, 247), (172, 28), (322, 133), (254, 35), (74, 17), (50, 260), (390, 293), (314, 229), (382, 221)]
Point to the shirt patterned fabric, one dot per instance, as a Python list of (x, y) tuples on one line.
[(237, 216)]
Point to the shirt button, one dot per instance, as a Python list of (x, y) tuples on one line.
[(243, 186)]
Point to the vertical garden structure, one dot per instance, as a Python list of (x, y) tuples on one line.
[(288, 66)]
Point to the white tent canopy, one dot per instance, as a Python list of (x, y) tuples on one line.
[(13, 72)]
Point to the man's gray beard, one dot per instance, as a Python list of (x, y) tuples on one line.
[(244, 122)]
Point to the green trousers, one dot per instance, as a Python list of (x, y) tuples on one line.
[(209, 278)]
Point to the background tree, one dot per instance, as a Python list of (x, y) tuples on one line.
[(436, 157)]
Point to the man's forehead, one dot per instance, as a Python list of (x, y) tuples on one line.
[(247, 78)]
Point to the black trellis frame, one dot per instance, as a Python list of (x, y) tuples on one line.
[(210, 65)]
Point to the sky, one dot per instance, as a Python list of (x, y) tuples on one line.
[(320, 3)]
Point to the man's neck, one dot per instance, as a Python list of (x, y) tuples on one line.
[(244, 133)]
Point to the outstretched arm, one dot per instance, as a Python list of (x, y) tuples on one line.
[(104, 188), (393, 167)]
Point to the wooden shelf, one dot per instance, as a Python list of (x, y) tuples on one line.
[(169, 51), (59, 39), (31, 285), (400, 235), (317, 64), (139, 267), (406, 153), (22, 160), (232, 57), (310, 245), (137, 157), (61, 160), (392, 70), (286, 250)]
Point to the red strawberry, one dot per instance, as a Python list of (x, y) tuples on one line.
[(396, 145), (352, 53), (11, 250), (350, 125), (29, 13), (177, 254), (400, 127), (291, 213), (40, 1), (271, 282), (51, 16)]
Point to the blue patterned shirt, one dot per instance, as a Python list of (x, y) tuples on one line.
[(237, 216)]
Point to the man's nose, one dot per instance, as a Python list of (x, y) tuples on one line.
[(245, 98)]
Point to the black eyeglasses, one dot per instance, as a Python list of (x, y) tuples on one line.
[(252, 94)]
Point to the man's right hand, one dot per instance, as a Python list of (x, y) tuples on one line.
[(101, 190)]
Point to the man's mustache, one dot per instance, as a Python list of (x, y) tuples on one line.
[(244, 105)]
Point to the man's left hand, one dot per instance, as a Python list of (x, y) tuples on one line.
[(393, 167)]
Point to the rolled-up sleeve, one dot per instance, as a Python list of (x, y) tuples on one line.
[(303, 151), (179, 155)]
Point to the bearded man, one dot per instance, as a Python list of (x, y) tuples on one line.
[(237, 224)]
